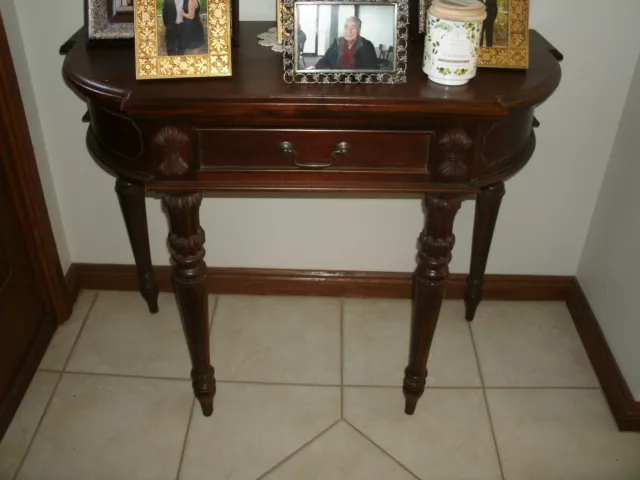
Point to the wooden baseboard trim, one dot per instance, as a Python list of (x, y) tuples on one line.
[(73, 287), (625, 409), (322, 283), (18, 386)]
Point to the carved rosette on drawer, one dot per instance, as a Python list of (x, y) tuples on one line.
[(171, 150), (452, 161)]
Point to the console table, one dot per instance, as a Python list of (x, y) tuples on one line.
[(254, 133)]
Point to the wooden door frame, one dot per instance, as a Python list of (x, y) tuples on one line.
[(25, 189)]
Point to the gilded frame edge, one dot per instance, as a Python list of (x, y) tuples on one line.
[(398, 75), (516, 55), (216, 63), (279, 21)]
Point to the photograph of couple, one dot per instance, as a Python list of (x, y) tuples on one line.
[(124, 5), (182, 28), (495, 28), (346, 37), (496, 25)]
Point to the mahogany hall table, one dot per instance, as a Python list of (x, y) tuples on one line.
[(252, 132)]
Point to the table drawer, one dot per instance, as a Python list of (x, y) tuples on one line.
[(247, 149)]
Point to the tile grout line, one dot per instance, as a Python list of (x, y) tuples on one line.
[(543, 388), (282, 384), (124, 375), (428, 387), (55, 389), (84, 322), (342, 358), (184, 379), (451, 387), (486, 401), (186, 437), (315, 385), (213, 313), (298, 450), (395, 460), (33, 437)]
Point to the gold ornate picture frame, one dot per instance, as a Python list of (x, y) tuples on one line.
[(515, 54), (510, 20), (279, 20), (211, 58)]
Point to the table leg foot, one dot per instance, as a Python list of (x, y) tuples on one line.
[(412, 388), (472, 298), (149, 291), (204, 388), (410, 403)]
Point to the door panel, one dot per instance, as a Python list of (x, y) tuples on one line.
[(33, 293), (5, 267), (22, 310)]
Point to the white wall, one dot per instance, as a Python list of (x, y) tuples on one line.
[(307, 20), (610, 263), (558, 189), (378, 24), (10, 20)]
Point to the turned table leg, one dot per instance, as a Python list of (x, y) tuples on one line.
[(487, 209), (131, 198), (186, 242), (429, 279)]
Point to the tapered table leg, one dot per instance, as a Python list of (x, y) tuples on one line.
[(186, 242), (487, 209), (429, 280), (131, 198)]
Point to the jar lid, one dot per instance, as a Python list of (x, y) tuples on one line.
[(459, 10)]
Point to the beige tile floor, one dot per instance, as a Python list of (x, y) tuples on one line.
[(309, 388)]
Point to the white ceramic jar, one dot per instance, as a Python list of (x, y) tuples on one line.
[(452, 40)]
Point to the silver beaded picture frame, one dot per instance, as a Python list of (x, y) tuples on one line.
[(392, 25), (109, 20)]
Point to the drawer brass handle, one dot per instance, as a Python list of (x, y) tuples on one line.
[(287, 149), (341, 149)]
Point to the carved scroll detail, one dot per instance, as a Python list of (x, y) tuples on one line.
[(186, 240), (187, 246), (454, 144), (434, 245), (179, 203), (436, 248), (172, 142)]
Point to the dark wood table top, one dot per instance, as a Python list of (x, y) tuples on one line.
[(108, 76)]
